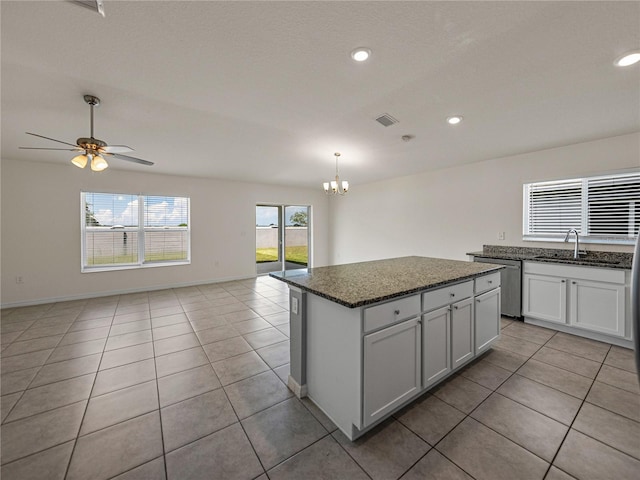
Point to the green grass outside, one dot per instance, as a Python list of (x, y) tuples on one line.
[(292, 254)]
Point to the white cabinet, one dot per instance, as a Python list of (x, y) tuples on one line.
[(392, 362), (436, 340), (544, 297), (487, 324), (576, 298), (462, 332), (597, 306), (456, 333)]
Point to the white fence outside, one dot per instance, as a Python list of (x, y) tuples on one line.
[(267, 237)]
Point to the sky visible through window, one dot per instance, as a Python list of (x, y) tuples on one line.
[(115, 209), (266, 216)]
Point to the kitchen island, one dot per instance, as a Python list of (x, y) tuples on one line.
[(367, 338)]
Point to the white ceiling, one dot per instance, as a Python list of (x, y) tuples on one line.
[(267, 91)]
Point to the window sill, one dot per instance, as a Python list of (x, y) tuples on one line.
[(602, 241), (111, 268)]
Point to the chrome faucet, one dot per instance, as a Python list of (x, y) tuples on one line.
[(576, 250)]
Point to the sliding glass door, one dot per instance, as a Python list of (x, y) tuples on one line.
[(282, 237)]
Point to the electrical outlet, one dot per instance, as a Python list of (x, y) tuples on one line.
[(19, 279), (294, 305), (500, 235)]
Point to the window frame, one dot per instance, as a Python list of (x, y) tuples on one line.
[(140, 230), (583, 227)]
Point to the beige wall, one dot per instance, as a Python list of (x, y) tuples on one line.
[(443, 213), (449, 212), (41, 230)]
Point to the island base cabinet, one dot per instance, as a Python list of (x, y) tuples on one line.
[(436, 345), (392, 361), (462, 333), (487, 312)]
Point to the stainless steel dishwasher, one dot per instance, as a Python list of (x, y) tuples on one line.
[(510, 283)]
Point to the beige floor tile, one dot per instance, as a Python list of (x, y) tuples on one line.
[(584, 457), (526, 427), (617, 377), (484, 454), (615, 400), (567, 361), (620, 357), (557, 378), (610, 428), (436, 467), (222, 455), (582, 347), (324, 460), (282, 431), (461, 393), (430, 418), (543, 399)]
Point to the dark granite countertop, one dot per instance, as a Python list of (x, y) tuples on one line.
[(358, 284), (619, 260)]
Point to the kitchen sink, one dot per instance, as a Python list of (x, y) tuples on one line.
[(594, 261)]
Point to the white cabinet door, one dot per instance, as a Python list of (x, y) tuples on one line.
[(462, 334), (487, 313), (544, 298), (436, 352), (392, 360), (598, 307)]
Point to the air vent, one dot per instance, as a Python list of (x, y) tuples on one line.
[(386, 120), (95, 5)]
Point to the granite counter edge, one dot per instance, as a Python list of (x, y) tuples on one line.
[(382, 298), (530, 258)]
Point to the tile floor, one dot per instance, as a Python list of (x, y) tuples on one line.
[(189, 383)]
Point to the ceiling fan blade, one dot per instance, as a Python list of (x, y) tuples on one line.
[(117, 149), (43, 148), (131, 159), (52, 139)]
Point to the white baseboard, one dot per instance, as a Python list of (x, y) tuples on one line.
[(299, 391), (84, 296)]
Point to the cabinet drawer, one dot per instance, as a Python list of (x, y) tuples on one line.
[(445, 296), (391, 312), (487, 282)]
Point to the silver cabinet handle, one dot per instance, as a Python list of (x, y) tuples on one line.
[(573, 283), (455, 306), (489, 282), (452, 294), (397, 312), (562, 281), (478, 300)]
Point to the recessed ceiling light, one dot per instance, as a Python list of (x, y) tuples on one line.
[(360, 54), (454, 120), (628, 59)]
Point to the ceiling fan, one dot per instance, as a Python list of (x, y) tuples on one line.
[(94, 150)]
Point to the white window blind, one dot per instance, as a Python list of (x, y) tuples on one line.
[(614, 206), (603, 209), (128, 231), (554, 207)]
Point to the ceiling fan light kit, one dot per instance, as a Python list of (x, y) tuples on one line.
[(93, 150)]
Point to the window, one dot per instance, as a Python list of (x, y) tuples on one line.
[(130, 231), (603, 209)]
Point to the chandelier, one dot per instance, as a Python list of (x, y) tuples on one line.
[(336, 187)]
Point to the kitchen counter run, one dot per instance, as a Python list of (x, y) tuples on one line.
[(617, 260), (357, 284)]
